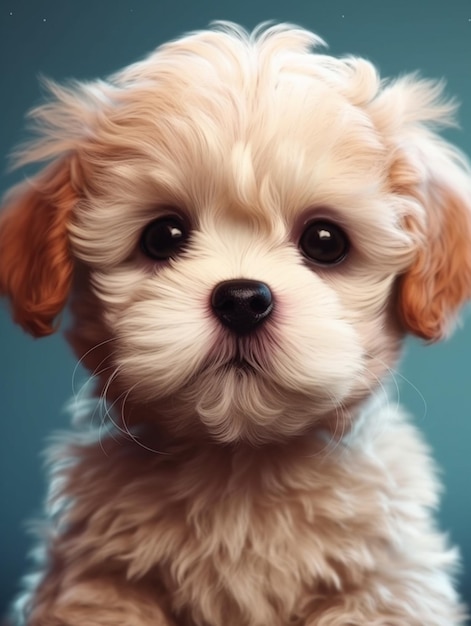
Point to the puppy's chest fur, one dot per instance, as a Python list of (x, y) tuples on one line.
[(240, 536)]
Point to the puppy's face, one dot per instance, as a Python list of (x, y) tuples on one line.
[(240, 222), (300, 209)]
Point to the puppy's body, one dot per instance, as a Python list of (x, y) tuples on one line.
[(238, 535), (248, 230)]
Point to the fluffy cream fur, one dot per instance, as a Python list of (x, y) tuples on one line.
[(287, 491)]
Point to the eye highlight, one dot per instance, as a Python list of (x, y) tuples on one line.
[(324, 243), (164, 238)]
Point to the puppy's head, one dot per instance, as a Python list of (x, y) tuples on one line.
[(250, 229)]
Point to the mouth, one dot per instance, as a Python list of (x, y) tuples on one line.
[(240, 364), (240, 358), (237, 362)]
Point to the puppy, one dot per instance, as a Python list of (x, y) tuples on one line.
[(246, 230)]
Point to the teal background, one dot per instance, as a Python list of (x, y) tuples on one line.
[(84, 39)]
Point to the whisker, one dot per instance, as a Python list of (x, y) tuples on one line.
[(395, 373), (335, 439), (383, 388), (107, 415), (107, 407), (133, 437), (74, 405), (89, 379), (80, 361)]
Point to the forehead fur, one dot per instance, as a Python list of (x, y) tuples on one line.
[(224, 100), (231, 121)]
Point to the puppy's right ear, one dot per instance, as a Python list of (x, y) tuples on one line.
[(35, 263)]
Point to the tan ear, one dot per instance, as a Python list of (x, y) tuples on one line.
[(433, 179), (438, 283), (35, 264)]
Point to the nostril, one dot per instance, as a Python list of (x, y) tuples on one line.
[(259, 303), (242, 304), (223, 301)]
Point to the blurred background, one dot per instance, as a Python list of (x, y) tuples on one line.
[(87, 39)]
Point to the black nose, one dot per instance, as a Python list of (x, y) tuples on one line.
[(241, 304)]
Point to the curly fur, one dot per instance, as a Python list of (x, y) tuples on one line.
[(289, 490)]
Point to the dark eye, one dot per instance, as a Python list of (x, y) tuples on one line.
[(324, 243), (164, 238)]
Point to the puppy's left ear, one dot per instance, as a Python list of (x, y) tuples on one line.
[(437, 178), (439, 282), (35, 264)]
